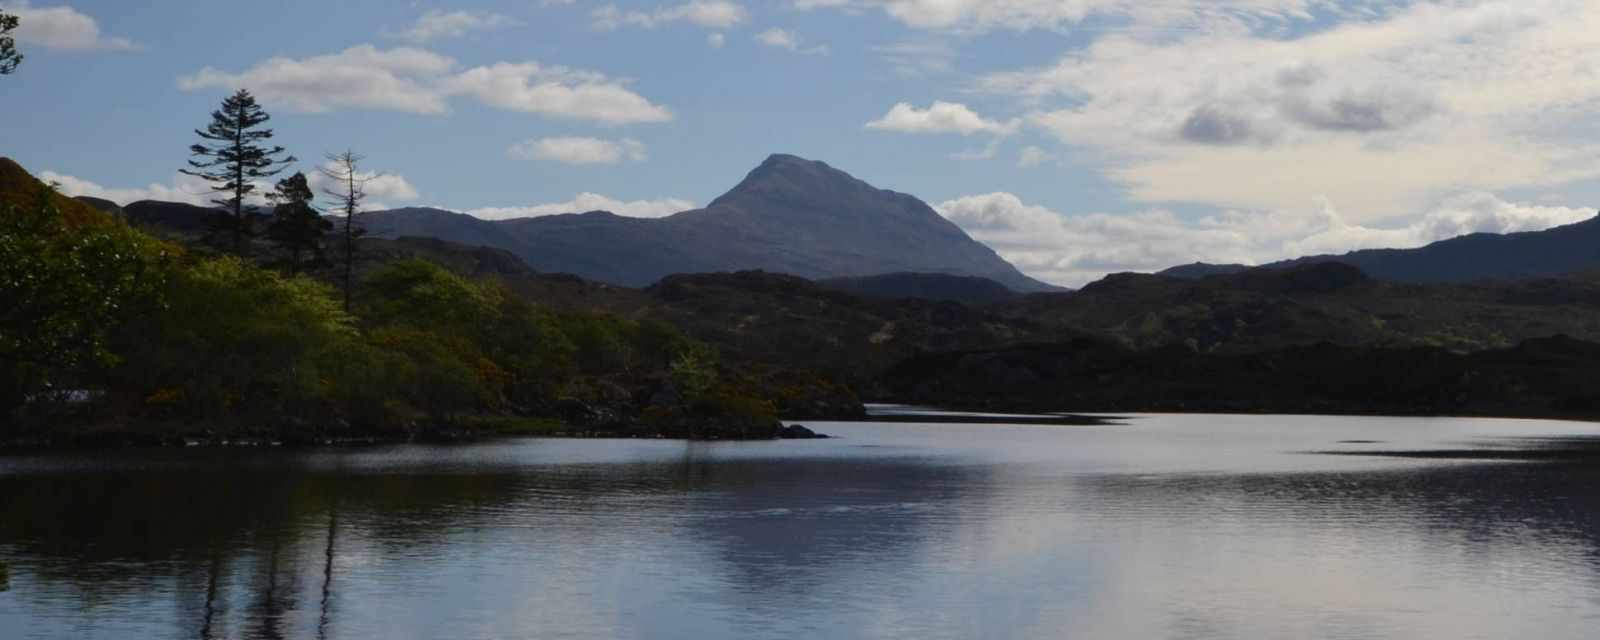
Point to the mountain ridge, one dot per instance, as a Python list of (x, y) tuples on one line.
[(1522, 255), (788, 215)]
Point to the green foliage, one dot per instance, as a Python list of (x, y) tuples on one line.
[(234, 340), (181, 345), (443, 376), (423, 294), (66, 287), (693, 374), (9, 58), (297, 227)]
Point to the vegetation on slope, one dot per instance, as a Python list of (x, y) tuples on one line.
[(115, 335)]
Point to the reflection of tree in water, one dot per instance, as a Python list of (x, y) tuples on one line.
[(252, 546), (323, 616), (248, 543), (215, 530)]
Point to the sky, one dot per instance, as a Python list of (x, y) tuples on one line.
[(1076, 137)]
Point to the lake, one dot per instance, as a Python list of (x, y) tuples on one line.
[(1159, 527)]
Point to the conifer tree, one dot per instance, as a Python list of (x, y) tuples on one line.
[(233, 157), (297, 227), (348, 190), (9, 58)]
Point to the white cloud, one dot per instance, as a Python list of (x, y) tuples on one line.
[(361, 77), (62, 28), (586, 202), (978, 16), (556, 91), (714, 14), (191, 190), (717, 40), (1073, 250), (413, 80), (789, 41), (942, 117), (380, 188), (435, 24), (182, 188), (580, 150), (1382, 114), (1032, 157)]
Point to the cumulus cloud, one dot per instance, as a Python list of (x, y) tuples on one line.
[(182, 188), (579, 150), (381, 188), (1382, 114), (1073, 250), (361, 77), (586, 202), (556, 91), (191, 190), (414, 80), (789, 41), (436, 24), (942, 117), (717, 40), (62, 28), (714, 14)]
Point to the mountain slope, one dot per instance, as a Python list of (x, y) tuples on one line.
[(923, 286), (1479, 256), (789, 215)]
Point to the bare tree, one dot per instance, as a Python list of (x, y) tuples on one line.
[(348, 190)]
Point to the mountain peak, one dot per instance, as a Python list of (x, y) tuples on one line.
[(790, 178)]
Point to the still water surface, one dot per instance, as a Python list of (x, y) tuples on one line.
[(1164, 527)]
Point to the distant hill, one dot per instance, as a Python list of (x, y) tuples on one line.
[(1479, 256), (1263, 309), (1203, 269), (971, 290), (171, 216), (101, 204), (789, 215)]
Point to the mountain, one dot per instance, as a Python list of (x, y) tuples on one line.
[(789, 215), (171, 216), (1265, 309), (925, 286), (1479, 256), (101, 204)]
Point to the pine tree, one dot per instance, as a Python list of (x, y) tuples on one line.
[(349, 190), (234, 158), (297, 227), (9, 58)]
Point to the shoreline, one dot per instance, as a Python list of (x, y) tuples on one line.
[(147, 438)]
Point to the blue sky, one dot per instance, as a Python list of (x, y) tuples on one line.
[(1078, 137)]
